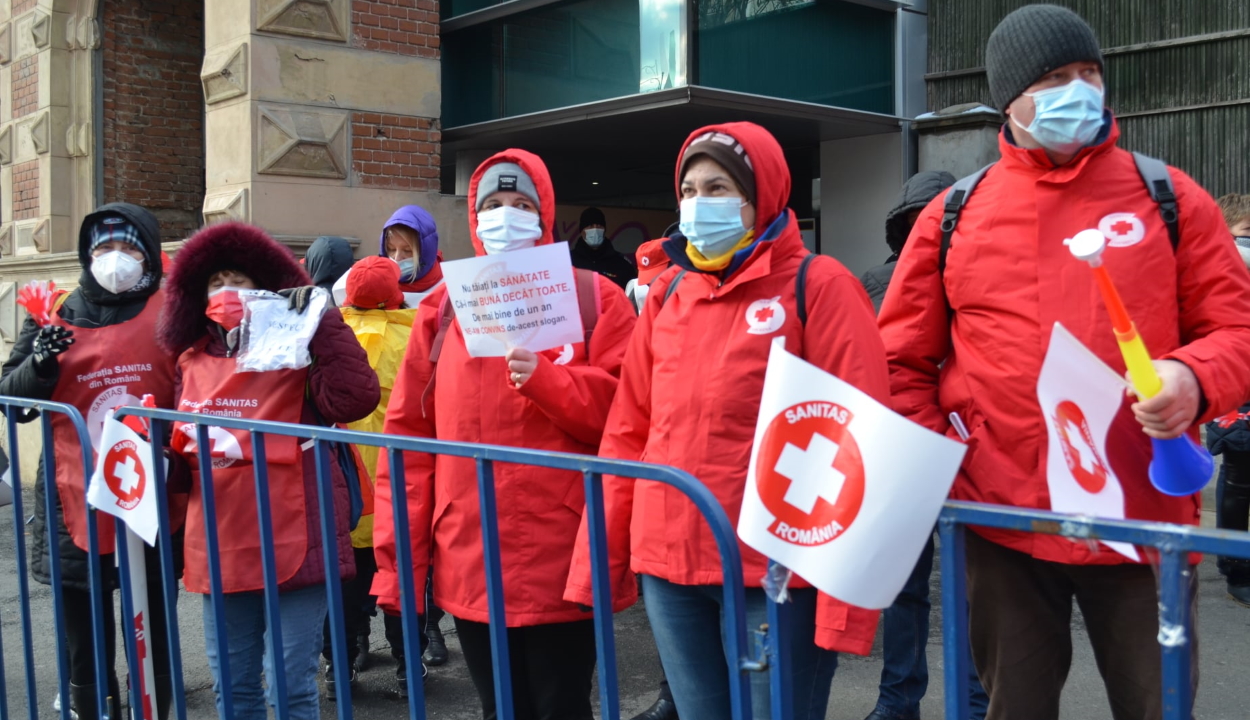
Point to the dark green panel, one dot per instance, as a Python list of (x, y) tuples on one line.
[(552, 57), (470, 76), (831, 53), (452, 8), (1210, 144)]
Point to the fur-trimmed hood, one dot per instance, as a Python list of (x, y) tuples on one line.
[(226, 246)]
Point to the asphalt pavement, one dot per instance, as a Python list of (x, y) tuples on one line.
[(1224, 630)]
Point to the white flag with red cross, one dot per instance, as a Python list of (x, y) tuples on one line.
[(841, 490), (1080, 396), (122, 483)]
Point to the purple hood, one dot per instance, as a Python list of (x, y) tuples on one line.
[(422, 222)]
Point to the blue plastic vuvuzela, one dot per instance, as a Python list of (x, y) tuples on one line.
[(1180, 466)]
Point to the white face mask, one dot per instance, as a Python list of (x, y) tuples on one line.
[(594, 237), (507, 228), (116, 271), (1243, 247)]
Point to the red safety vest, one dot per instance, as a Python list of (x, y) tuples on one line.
[(105, 368), (211, 386)]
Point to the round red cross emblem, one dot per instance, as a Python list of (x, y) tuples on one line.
[(1079, 449), (124, 474), (810, 473)]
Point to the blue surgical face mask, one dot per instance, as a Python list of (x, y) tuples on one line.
[(594, 237), (712, 224), (407, 268), (1067, 117)]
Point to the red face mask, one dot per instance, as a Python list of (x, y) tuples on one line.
[(225, 308)]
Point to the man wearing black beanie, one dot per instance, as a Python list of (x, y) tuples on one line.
[(967, 322), (592, 249)]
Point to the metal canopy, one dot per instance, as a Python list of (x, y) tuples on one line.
[(627, 147)]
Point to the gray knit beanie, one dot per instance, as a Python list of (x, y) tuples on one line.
[(505, 177), (1031, 42)]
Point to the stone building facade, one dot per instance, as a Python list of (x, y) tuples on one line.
[(306, 117)]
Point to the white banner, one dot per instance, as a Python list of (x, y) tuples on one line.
[(840, 489), (122, 482), (524, 298), (141, 625), (1080, 396)]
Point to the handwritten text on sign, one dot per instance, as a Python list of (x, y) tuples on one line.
[(525, 298)]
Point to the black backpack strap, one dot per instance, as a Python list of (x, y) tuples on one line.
[(956, 198), (800, 288), (1158, 181), (672, 286)]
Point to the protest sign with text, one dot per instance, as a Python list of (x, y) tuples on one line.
[(829, 495), (524, 298)]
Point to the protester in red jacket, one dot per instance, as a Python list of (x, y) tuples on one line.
[(689, 397), (971, 339), (201, 321), (554, 400)]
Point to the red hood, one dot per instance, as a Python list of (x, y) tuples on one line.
[(537, 170), (772, 174)]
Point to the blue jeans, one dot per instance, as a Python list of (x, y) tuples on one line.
[(904, 640), (686, 621), (302, 614)]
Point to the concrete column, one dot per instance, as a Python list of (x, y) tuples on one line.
[(860, 179), (960, 139), (322, 118)]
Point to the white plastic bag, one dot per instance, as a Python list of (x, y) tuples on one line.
[(273, 337)]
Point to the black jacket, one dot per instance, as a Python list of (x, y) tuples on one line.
[(918, 191), (89, 305), (604, 260)]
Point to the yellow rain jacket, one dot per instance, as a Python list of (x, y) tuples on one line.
[(384, 336)]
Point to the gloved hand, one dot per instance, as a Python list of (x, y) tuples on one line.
[(52, 340), (298, 298)]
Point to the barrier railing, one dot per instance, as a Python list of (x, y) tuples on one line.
[(1175, 576), (46, 409), (1173, 543), (739, 661)]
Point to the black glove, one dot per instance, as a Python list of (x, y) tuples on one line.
[(298, 298), (50, 341)]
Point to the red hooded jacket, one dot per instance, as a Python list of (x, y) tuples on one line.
[(1009, 278), (562, 407), (690, 395)]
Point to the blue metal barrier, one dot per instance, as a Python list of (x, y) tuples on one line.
[(11, 408), (1175, 578), (592, 468)]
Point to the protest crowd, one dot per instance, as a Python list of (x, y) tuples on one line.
[(668, 367)]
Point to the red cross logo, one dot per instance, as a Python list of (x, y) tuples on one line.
[(810, 474), (1122, 229), (765, 317)]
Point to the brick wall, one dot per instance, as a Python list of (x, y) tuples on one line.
[(403, 27), (395, 151), (154, 109), (25, 86), (26, 190)]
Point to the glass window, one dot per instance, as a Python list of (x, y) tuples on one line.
[(552, 57), (831, 53), (662, 34), (452, 8)]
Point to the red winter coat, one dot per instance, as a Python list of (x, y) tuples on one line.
[(562, 407), (344, 389), (690, 395), (1009, 278)]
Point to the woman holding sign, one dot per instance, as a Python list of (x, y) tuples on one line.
[(95, 350), (202, 322), (690, 396), (554, 400)]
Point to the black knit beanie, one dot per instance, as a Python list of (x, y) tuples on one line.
[(1031, 42)]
